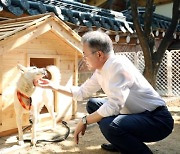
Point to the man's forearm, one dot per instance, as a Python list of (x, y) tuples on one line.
[(64, 90), (94, 117)]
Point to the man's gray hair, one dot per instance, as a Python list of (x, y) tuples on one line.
[(98, 40)]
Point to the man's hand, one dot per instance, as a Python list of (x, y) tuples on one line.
[(80, 128), (43, 83)]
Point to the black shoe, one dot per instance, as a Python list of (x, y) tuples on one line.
[(109, 147)]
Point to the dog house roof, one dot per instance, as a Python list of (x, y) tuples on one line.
[(10, 28)]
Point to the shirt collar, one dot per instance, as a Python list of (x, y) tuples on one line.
[(106, 64)]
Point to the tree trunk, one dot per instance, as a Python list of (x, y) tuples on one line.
[(153, 59), (150, 74)]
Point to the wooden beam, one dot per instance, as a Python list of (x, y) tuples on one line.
[(74, 105), (76, 69), (57, 63), (16, 24)]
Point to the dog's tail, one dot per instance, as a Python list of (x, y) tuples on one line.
[(55, 73)]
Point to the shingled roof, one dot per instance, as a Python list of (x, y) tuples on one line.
[(81, 15), (158, 22), (73, 12)]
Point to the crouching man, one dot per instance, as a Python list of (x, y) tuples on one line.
[(132, 113)]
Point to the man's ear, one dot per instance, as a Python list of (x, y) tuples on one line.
[(21, 68), (99, 53)]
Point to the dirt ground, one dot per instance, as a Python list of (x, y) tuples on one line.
[(91, 142)]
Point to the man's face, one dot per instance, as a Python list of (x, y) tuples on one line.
[(90, 57)]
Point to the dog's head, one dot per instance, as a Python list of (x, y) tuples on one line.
[(32, 73)]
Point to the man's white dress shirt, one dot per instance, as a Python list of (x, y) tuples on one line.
[(126, 88)]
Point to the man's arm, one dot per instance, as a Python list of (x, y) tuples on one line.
[(45, 83), (64, 90), (81, 128), (94, 117)]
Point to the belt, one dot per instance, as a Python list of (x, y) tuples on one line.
[(159, 108)]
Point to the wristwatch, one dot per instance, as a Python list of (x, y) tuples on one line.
[(84, 120)]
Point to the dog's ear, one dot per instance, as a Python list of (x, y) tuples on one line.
[(21, 68)]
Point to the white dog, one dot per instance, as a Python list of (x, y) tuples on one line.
[(29, 98)]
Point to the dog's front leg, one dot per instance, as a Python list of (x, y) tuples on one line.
[(34, 126), (53, 116), (19, 125)]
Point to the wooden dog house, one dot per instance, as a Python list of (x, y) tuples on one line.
[(39, 40)]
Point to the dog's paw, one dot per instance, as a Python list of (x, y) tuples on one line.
[(33, 142), (54, 128), (21, 143)]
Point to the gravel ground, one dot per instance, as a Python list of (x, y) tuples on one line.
[(91, 142)]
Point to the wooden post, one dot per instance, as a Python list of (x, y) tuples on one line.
[(169, 73), (74, 105), (57, 63)]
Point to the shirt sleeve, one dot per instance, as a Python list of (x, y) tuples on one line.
[(120, 82), (86, 89)]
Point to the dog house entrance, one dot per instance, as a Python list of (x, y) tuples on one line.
[(41, 63)]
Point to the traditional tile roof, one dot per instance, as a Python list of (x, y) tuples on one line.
[(73, 12), (158, 22), (82, 15)]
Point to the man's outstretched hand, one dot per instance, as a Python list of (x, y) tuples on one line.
[(44, 83)]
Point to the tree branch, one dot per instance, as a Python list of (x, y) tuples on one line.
[(148, 17), (142, 38), (169, 34)]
